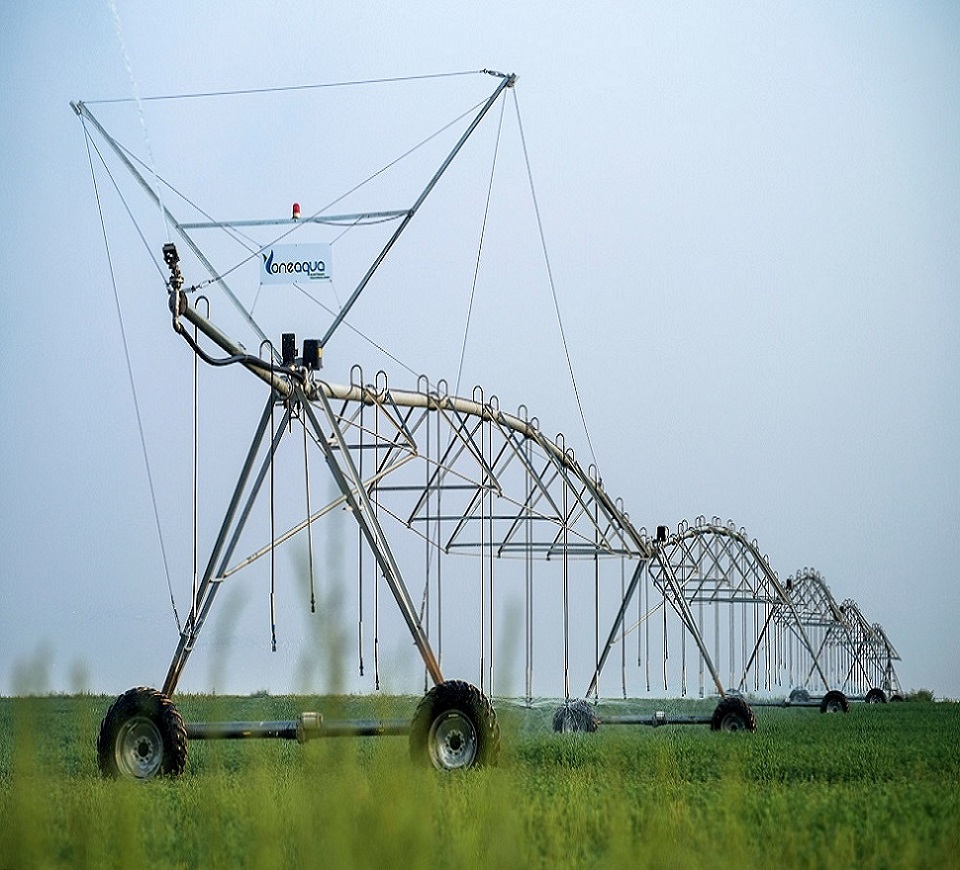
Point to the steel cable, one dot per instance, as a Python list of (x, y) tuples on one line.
[(553, 286), (133, 385)]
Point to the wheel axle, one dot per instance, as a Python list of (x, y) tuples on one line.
[(307, 726)]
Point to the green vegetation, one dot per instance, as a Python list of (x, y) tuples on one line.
[(876, 787)]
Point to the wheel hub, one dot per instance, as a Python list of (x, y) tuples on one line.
[(453, 741), (139, 748)]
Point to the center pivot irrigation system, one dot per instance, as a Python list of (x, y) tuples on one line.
[(855, 657), (462, 477)]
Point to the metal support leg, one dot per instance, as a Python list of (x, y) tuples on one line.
[(615, 629), (351, 485), (682, 608), (207, 591), (742, 686)]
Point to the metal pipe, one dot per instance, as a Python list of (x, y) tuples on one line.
[(307, 726), (655, 720), (279, 382), (285, 729), (310, 219)]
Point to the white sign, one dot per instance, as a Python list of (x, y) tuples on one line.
[(286, 264)]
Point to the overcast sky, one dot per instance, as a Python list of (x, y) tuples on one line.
[(752, 214)]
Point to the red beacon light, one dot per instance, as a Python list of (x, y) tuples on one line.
[(296, 211)]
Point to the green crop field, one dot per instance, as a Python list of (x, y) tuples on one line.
[(877, 787)]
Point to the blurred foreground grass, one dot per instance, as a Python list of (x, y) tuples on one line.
[(877, 787)]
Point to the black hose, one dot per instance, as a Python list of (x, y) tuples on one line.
[(244, 358)]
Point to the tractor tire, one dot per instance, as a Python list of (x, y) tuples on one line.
[(575, 717), (455, 727), (733, 714), (834, 702), (799, 696), (142, 736), (896, 699), (876, 696)]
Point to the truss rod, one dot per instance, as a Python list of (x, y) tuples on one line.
[(84, 112), (310, 219)]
